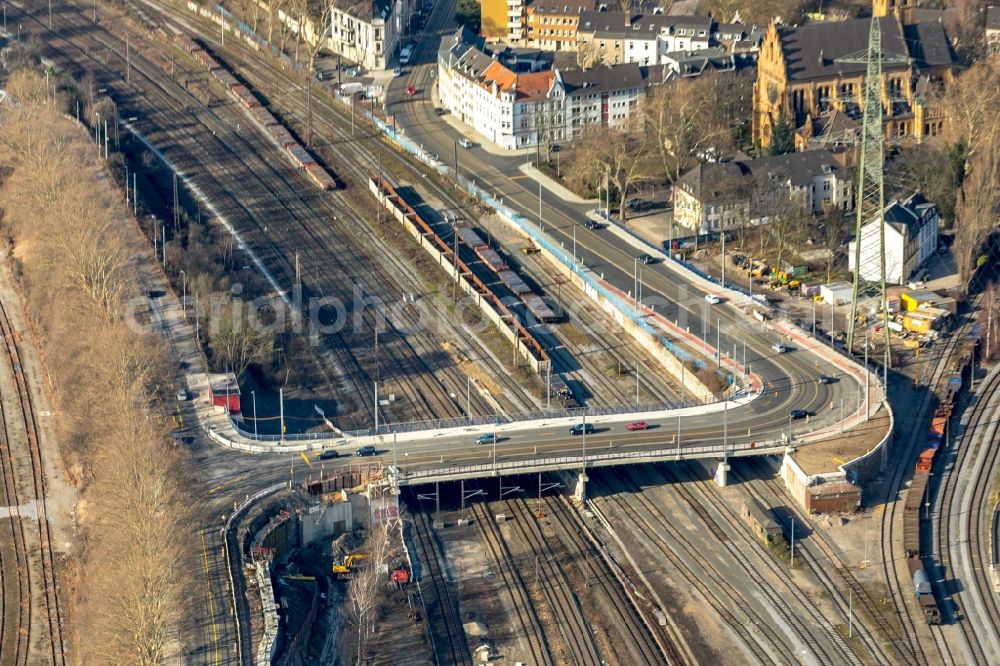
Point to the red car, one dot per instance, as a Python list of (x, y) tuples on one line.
[(410, 91), (637, 425)]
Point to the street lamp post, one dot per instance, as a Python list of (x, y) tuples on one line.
[(253, 395), (184, 292)]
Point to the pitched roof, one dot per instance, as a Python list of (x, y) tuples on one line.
[(810, 50), (716, 180), (611, 25), (908, 215), (929, 45), (798, 168), (534, 85), (603, 79)]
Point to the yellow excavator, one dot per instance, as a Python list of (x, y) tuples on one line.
[(348, 563)]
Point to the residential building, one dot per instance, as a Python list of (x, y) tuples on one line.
[(804, 72), (600, 38), (717, 196), (552, 24), (614, 38), (368, 32), (502, 20), (911, 237), (716, 59), (993, 29), (520, 107)]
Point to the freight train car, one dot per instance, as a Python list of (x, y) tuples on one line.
[(492, 260), (319, 176), (300, 156), (245, 97)]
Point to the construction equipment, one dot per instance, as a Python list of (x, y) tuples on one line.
[(400, 575), (530, 249), (348, 563)]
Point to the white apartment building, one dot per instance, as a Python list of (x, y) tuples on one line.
[(911, 237), (369, 33), (534, 108)]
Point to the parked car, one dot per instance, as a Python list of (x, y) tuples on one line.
[(637, 425), (397, 71), (488, 438), (465, 143), (366, 451), (582, 428), (441, 112), (182, 395), (712, 299), (797, 414), (329, 454), (779, 348)]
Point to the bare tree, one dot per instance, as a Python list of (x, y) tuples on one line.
[(787, 219), (366, 584), (831, 231), (614, 158), (976, 208), (681, 118), (237, 339)]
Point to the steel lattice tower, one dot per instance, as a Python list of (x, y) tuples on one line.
[(871, 185)]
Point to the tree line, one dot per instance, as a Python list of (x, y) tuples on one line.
[(76, 254)]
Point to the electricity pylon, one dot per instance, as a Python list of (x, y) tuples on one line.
[(871, 185)]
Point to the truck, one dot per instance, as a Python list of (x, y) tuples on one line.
[(405, 54)]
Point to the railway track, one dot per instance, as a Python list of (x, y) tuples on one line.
[(550, 577), (634, 632), (958, 538), (357, 156), (281, 190), (37, 590), (526, 615), (673, 546), (841, 652), (834, 574), (443, 614)]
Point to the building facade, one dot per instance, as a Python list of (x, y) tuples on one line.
[(807, 72), (528, 109), (911, 237), (370, 33), (553, 24), (717, 196)]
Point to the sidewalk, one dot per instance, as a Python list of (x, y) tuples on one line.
[(553, 186)]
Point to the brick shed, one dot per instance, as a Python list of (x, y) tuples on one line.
[(833, 497)]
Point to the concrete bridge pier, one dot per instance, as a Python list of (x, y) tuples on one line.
[(722, 474), (580, 494)]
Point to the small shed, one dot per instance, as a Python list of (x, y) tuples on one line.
[(224, 391), (833, 497), (838, 293), (913, 300)]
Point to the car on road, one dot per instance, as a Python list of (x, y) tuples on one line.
[(488, 438), (465, 143), (329, 454), (797, 414), (366, 451), (646, 259), (397, 71), (823, 379), (582, 428), (712, 299), (593, 226), (637, 425), (779, 348), (441, 112)]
